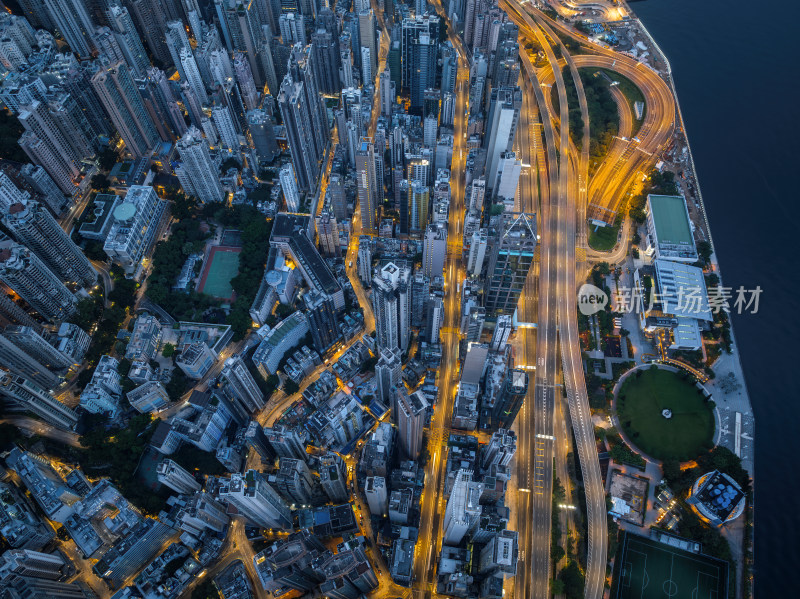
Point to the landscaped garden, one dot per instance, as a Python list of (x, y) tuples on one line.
[(665, 415)]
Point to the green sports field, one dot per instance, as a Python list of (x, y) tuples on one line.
[(217, 280), (648, 569)]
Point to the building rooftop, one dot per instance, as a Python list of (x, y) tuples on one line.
[(103, 210), (291, 230), (402, 559), (671, 219), (334, 520), (717, 497), (682, 290)]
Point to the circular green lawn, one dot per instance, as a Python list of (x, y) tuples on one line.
[(640, 402)]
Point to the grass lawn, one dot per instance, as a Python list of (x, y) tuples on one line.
[(631, 92), (684, 436), (602, 239)]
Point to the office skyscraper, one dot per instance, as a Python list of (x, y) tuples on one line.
[(197, 171), (192, 74), (261, 129), (435, 318), (411, 412), (338, 200), (19, 363), (508, 172), (293, 481), (333, 477), (43, 184), (391, 304), (107, 44), (27, 275), (247, 85), (304, 116), (364, 260), (500, 555), (366, 28), (240, 386), (501, 127), (419, 199), (289, 187), (477, 252), (128, 39), (346, 70), (388, 374), (176, 478), (226, 127), (377, 494), (463, 509), (420, 291), (160, 103), (241, 29), (256, 500), (515, 387), (512, 247), (26, 396), (321, 320), (502, 331), (434, 250), (11, 312), (138, 222), (151, 20), (328, 233), (430, 130), (500, 450), (40, 588), (369, 194), (327, 60), (286, 442), (72, 20), (34, 226), (366, 65), (267, 63), (292, 28), (255, 438), (420, 52), (138, 549), (120, 97), (297, 119), (36, 346), (387, 92), (25, 562), (48, 144)]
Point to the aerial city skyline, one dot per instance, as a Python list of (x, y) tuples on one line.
[(360, 299)]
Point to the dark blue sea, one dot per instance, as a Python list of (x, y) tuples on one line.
[(735, 65)]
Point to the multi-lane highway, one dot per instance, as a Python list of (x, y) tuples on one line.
[(563, 230), (608, 187), (533, 186), (572, 193)]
